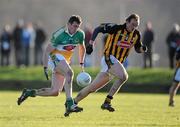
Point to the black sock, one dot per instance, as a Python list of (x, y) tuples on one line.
[(108, 99)]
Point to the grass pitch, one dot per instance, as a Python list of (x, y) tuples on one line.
[(132, 110)]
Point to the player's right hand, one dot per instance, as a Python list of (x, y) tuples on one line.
[(46, 73), (82, 67)]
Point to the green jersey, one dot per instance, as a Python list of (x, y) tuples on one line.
[(62, 37), (65, 43)]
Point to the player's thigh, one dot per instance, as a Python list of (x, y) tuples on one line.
[(118, 70), (63, 67), (57, 81)]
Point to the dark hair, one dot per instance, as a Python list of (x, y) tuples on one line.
[(133, 16), (75, 18)]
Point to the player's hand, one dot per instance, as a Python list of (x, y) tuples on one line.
[(89, 47), (82, 67), (144, 48), (46, 73)]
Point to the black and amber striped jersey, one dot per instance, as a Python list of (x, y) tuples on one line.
[(119, 41)]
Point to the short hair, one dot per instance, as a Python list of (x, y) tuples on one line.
[(75, 18), (133, 16)]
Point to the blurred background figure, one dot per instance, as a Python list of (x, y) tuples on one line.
[(17, 37), (88, 33), (27, 42), (40, 38), (31, 30), (148, 38), (5, 42), (172, 40)]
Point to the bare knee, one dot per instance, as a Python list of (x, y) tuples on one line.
[(125, 77)]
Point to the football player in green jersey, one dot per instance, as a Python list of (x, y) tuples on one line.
[(57, 57)]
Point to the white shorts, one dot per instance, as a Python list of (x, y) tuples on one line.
[(177, 75), (51, 64), (104, 66)]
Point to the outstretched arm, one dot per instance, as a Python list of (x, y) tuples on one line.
[(103, 28), (82, 51)]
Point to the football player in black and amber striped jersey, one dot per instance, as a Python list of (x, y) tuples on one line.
[(121, 39), (176, 81)]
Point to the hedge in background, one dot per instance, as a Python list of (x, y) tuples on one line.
[(156, 80)]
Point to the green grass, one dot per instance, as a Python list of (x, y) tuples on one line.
[(132, 110), (136, 75)]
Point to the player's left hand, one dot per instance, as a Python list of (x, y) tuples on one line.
[(46, 73)]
